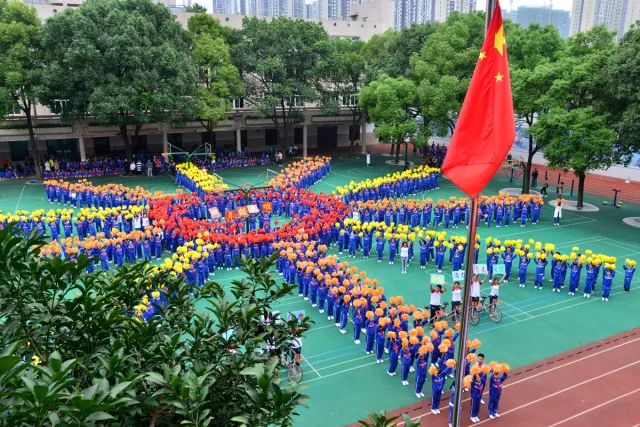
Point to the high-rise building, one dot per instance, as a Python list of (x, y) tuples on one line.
[(616, 15), (560, 19)]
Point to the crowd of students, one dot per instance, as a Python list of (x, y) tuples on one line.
[(434, 154)]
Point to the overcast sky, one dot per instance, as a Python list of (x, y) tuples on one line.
[(506, 4)]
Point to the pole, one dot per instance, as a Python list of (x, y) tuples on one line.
[(466, 304)]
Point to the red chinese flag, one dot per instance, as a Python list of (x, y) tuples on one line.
[(486, 127)]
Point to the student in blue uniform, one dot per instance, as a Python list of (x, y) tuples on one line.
[(607, 280), (495, 391), (438, 377), (629, 269), (541, 264)]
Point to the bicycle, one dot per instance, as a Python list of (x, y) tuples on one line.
[(294, 368), (495, 314), (451, 316)]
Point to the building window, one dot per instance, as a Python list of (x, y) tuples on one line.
[(19, 150), (101, 146), (238, 103), (270, 137), (350, 100), (62, 148), (354, 133), (294, 101), (297, 135), (58, 106)]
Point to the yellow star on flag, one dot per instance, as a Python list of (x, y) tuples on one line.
[(499, 77), (482, 55), (499, 41)]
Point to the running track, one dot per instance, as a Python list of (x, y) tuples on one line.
[(594, 385)]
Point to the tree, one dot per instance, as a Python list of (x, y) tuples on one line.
[(21, 64), (578, 139), (196, 8), (621, 76), (122, 62), (580, 119), (99, 360), (444, 66), (390, 52), (390, 105), (218, 79), (342, 75), (532, 54), (277, 61)]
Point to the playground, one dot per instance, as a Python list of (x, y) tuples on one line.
[(344, 383)]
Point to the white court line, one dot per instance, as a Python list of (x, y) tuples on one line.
[(20, 198), (340, 372), (542, 373), (548, 228), (595, 407), (565, 390), (608, 241), (314, 369), (345, 361)]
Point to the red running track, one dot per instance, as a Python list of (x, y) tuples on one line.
[(594, 385)]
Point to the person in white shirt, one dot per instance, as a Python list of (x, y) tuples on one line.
[(475, 290), (132, 168), (435, 302), (494, 292), (145, 221), (456, 298), (137, 223), (404, 256), (557, 212)]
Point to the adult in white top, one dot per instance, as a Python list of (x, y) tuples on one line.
[(404, 256), (456, 295), (476, 282), (435, 302), (137, 223), (557, 212), (145, 222), (495, 291)]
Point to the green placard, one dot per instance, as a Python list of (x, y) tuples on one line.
[(437, 279), (498, 269)]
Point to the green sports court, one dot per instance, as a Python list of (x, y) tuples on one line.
[(344, 383)]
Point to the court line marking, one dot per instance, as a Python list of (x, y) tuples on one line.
[(517, 408), (314, 369), (595, 407), (20, 198), (426, 414)]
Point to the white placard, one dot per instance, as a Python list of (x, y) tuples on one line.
[(480, 269), (458, 276)]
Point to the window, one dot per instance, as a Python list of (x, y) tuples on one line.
[(19, 150), (298, 135), (354, 133), (294, 101), (101, 146), (270, 137), (63, 148), (238, 103), (350, 100), (58, 106)]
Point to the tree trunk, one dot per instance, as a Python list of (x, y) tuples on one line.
[(393, 147), (406, 147), (397, 153), (581, 179), (35, 155), (209, 136), (124, 133), (526, 181)]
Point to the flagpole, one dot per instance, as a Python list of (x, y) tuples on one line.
[(466, 302)]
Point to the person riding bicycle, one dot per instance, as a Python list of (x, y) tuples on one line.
[(435, 302), (456, 298), (295, 348), (494, 292), (475, 290)]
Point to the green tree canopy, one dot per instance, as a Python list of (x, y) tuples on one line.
[(532, 54), (98, 361), (21, 64), (390, 52), (390, 104), (123, 62), (277, 60), (218, 78), (622, 76), (342, 75), (444, 66), (578, 139), (196, 8)]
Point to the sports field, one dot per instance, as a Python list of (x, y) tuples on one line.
[(344, 383)]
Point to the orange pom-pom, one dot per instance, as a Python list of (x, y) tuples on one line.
[(443, 348), (451, 363), (391, 335), (429, 347), (403, 334), (448, 333), (486, 369), (506, 368), (423, 350), (471, 357), (433, 370), (369, 315), (466, 381), (414, 340), (475, 370), (457, 326)]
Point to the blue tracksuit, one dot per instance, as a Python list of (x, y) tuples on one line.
[(628, 277), (540, 266), (495, 390), (607, 281), (437, 385)]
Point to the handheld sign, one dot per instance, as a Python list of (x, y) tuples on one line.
[(499, 269), (215, 213), (437, 279), (480, 269), (458, 276)]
